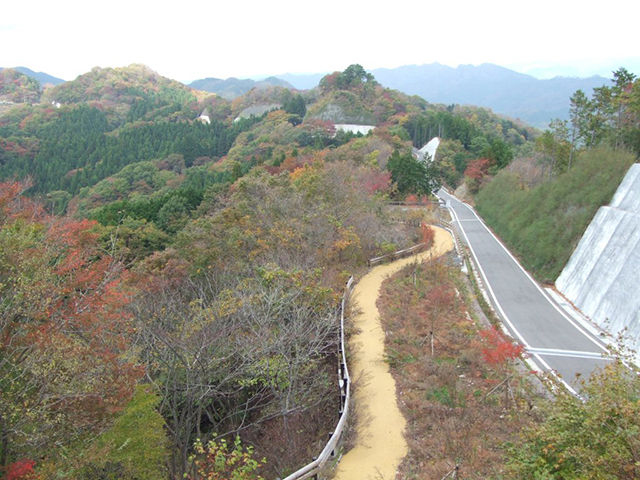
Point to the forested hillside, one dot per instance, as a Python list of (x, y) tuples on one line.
[(506, 92), (16, 87), (169, 283), (43, 78), (76, 149)]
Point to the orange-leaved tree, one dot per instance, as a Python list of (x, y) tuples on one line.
[(475, 173), (428, 235)]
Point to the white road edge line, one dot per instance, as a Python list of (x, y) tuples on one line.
[(544, 294), (555, 374), (493, 295), (497, 303)]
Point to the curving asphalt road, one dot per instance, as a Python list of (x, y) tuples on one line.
[(554, 340)]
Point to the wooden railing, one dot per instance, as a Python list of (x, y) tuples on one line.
[(415, 204), (330, 450), (395, 255)]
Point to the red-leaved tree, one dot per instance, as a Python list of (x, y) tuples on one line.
[(20, 470), (475, 173), (499, 352), (63, 330), (428, 235)]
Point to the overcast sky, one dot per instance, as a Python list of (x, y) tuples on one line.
[(191, 39)]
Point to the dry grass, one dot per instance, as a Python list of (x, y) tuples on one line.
[(452, 416)]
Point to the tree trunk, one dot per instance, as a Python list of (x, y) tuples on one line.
[(5, 443)]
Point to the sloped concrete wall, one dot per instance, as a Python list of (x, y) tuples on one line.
[(363, 129), (430, 148), (602, 277)]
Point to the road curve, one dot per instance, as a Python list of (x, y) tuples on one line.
[(554, 341)]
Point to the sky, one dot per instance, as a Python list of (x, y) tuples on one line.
[(193, 39)]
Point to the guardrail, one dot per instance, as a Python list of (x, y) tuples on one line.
[(416, 204), (454, 234), (395, 255), (312, 469), (330, 450)]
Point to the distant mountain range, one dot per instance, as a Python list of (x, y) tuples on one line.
[(303, 81), (233, 87), (582, 69), (43, 78), (504, 91)]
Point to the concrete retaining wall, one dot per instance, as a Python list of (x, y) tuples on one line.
[(602, 277), (363, 129), (430, 148)]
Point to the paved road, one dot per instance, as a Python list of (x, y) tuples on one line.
[(554, 340)]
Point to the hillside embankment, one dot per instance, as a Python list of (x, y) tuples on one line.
[(543, 223), (379, 445), (601, 278)]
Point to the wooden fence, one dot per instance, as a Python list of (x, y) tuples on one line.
[(395, 255), (330, 450)]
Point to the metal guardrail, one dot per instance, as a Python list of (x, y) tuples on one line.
[(312, 469), (454, 234)]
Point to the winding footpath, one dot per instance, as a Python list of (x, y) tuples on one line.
[(380, 444)]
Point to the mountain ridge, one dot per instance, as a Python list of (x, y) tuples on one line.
[(505, 91), (42, 77), (233, 87)]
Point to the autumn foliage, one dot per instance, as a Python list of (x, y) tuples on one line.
[(428, 235), (63, 331), (498, 350), (476, 172), (221, 461), (20, 470), (447, 374), (477, 169)]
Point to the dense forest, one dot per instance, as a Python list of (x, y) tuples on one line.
[(169, 281), (75, 150), (16, 87)]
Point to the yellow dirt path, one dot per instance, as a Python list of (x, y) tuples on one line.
[(380, 444)]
